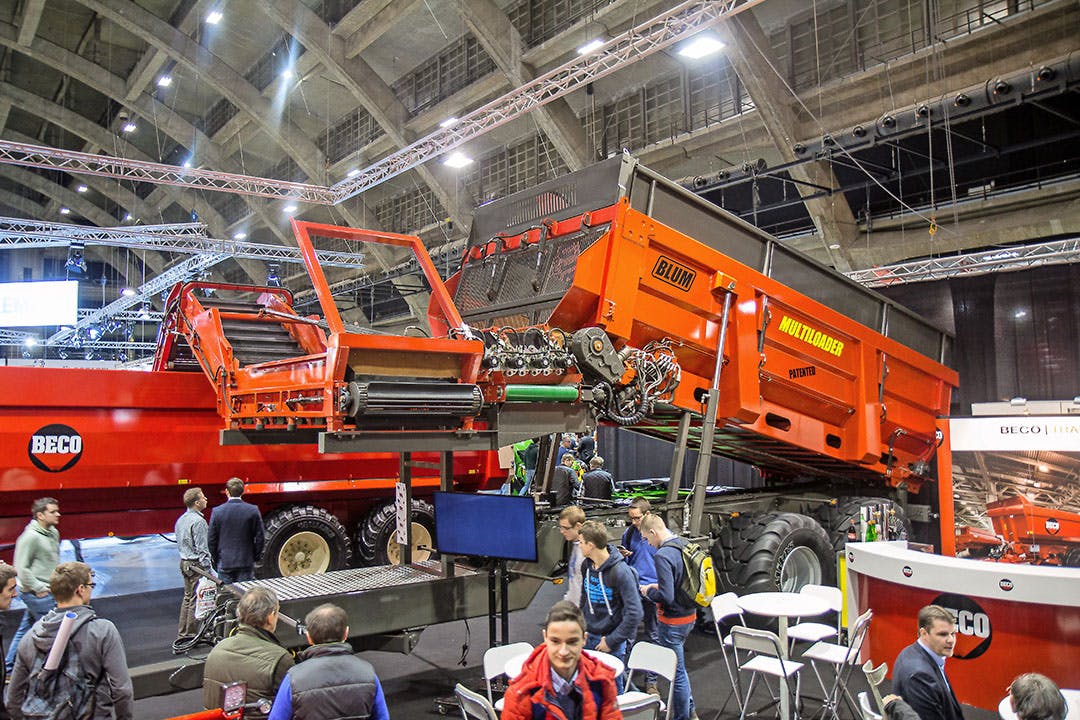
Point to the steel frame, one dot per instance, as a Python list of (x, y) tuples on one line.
[(179, 238), (1015, 257)]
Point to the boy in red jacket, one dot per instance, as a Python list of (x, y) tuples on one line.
[(557, 681)]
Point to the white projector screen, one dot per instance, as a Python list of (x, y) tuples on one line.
[(37, 304)]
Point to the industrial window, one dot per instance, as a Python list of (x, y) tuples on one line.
[(540, 20), (270, 65), (513, 168), (233, 208), (349, 135), (410, 211), (665, 116), (714, 91), (822, 48), (288, 170), (331, 11), (460, 64), (220, 113)]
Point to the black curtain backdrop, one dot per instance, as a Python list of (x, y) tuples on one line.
[(1017, 334)]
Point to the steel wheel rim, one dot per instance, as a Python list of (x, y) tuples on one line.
[(800, 567), (420, 536), (304, 553)]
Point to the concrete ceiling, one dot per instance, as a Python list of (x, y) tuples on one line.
[(73, 72)]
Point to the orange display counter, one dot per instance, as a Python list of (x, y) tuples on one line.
[(1010, 618)]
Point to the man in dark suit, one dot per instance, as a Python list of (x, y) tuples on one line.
[(236, 535), (919, 671)]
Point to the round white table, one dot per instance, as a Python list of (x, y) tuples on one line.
[(782, 605), (514, 664), (1072, 703)]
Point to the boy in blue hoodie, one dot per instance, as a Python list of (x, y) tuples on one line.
[(610, 598)]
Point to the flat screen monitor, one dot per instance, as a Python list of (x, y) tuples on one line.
[(494, 526)]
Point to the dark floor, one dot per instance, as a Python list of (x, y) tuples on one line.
[(147, 623)]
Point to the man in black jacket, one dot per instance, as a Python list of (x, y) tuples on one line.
[(330, 683), (919, 671), (235, 535)]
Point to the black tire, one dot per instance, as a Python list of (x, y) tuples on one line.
[(1072, 558), (375, 539), (304, 540), (767, 552), (837, 520)]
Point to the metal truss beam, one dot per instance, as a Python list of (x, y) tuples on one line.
[(178, 238), (1013, 257), (159, 173), (177, 273), (641, 41)]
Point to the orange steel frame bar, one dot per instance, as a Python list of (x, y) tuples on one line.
[(303, 391)]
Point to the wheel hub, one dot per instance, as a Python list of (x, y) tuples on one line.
[(421, 544), (305, 553)]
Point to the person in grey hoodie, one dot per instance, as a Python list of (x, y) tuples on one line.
[(609, 595), (37, 551), (96, 640)]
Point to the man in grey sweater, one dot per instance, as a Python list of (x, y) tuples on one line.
[(37, 553)]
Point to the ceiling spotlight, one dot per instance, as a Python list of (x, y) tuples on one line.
[(591, 46), (353, 173), (272, 279), (239, 235), (128, 217), (701, 46), (81, 189), (449, 122), (287, 74), (144, 312), (457, 160), (188, 163), (129, 127), (30, 341), (127, 292), (290, 208), (214, 17), (164, 81), (75, 261), (65, 211), (1044, 468)]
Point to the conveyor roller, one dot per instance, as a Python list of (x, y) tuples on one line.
[(405, 398)]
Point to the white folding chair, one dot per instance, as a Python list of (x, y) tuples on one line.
[(875, 676), (724, 607), (651, 658), (643, 708), (813, 632), (843, 658), (768, 659), (495, 660), (474, 706), (868, 713)]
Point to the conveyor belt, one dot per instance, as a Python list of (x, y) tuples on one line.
[(341, 582)]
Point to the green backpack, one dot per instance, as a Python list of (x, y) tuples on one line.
[(699, 579)]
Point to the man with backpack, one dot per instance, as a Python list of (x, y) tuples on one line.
[(676, 612), (92, 676)]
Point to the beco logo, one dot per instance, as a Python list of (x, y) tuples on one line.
[(55, 448), (973, 630), (673, 273)]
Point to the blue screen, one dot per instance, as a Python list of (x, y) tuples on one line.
[(494, 526)]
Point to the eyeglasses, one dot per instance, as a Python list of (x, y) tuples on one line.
[(565, 527), (90, 584)]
